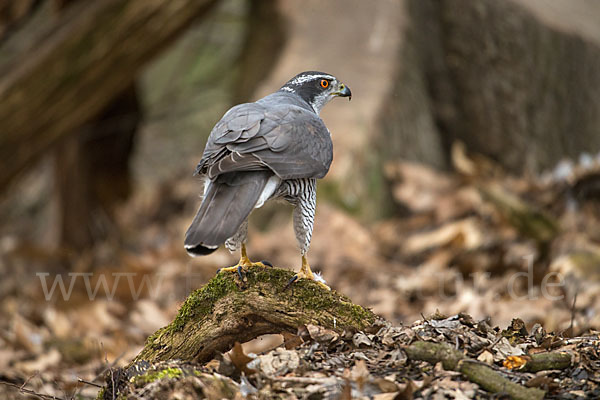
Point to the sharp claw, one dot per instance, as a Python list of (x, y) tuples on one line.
[(240, 272), (268, 264), (291, 281)]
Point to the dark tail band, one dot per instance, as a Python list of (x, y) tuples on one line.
[(200, 250)]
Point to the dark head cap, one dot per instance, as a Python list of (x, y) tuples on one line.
[(316, 88)]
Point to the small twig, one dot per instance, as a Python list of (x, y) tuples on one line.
[(112, 376), (89, 383), (112, 381), (28, 379), (61, 389), (31, 392), (417, 337), (573, 310), (491, 345), (108, 366), (75, 394), (581, 339)]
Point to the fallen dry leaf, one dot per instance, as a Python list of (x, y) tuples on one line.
[(318, 333), (346, 393), (240, 360), (386, 386), (360, 339), (291, 341), (406, 390), (359, 374), (486, 357), (279, 362)]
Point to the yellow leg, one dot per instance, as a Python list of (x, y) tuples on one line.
[(306, 273), (244, 260), (244, 263)]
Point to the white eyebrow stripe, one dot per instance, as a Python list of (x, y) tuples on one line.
[(288, 89), (305, 78)]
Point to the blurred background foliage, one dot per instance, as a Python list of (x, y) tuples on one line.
[(470, 146)]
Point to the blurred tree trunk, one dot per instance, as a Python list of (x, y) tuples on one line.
[(70, 83), (72, 66), (516, 80), (92, 172), (12, 13), (265, 37), (92, 168)]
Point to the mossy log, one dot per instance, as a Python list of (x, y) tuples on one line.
[(475, 371), (228, 310), (546, 361)]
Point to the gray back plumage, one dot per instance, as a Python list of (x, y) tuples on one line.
[(280, 134)]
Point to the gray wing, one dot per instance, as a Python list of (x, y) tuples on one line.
[(286, 139)]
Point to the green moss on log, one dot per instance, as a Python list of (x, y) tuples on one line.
[(151, 376), (202, 300), (227, 310)]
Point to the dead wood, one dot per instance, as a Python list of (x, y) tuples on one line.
[(228, 310), (473, 370), (79, 62), (546, 361)]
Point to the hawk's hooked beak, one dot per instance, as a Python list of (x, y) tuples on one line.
[(344, 92)]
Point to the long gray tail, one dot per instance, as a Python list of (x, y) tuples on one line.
[(226, 205)]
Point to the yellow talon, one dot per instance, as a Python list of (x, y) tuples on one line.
[(244, 263), (306, 273)]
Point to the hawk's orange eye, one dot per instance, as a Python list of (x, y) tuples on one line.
[(324, 83)]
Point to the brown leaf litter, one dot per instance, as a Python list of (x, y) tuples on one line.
[(378, 367)]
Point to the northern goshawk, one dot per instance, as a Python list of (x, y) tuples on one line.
[(275, 148)]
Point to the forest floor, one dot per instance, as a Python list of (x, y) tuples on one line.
[(472, 254), (392, 362)]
